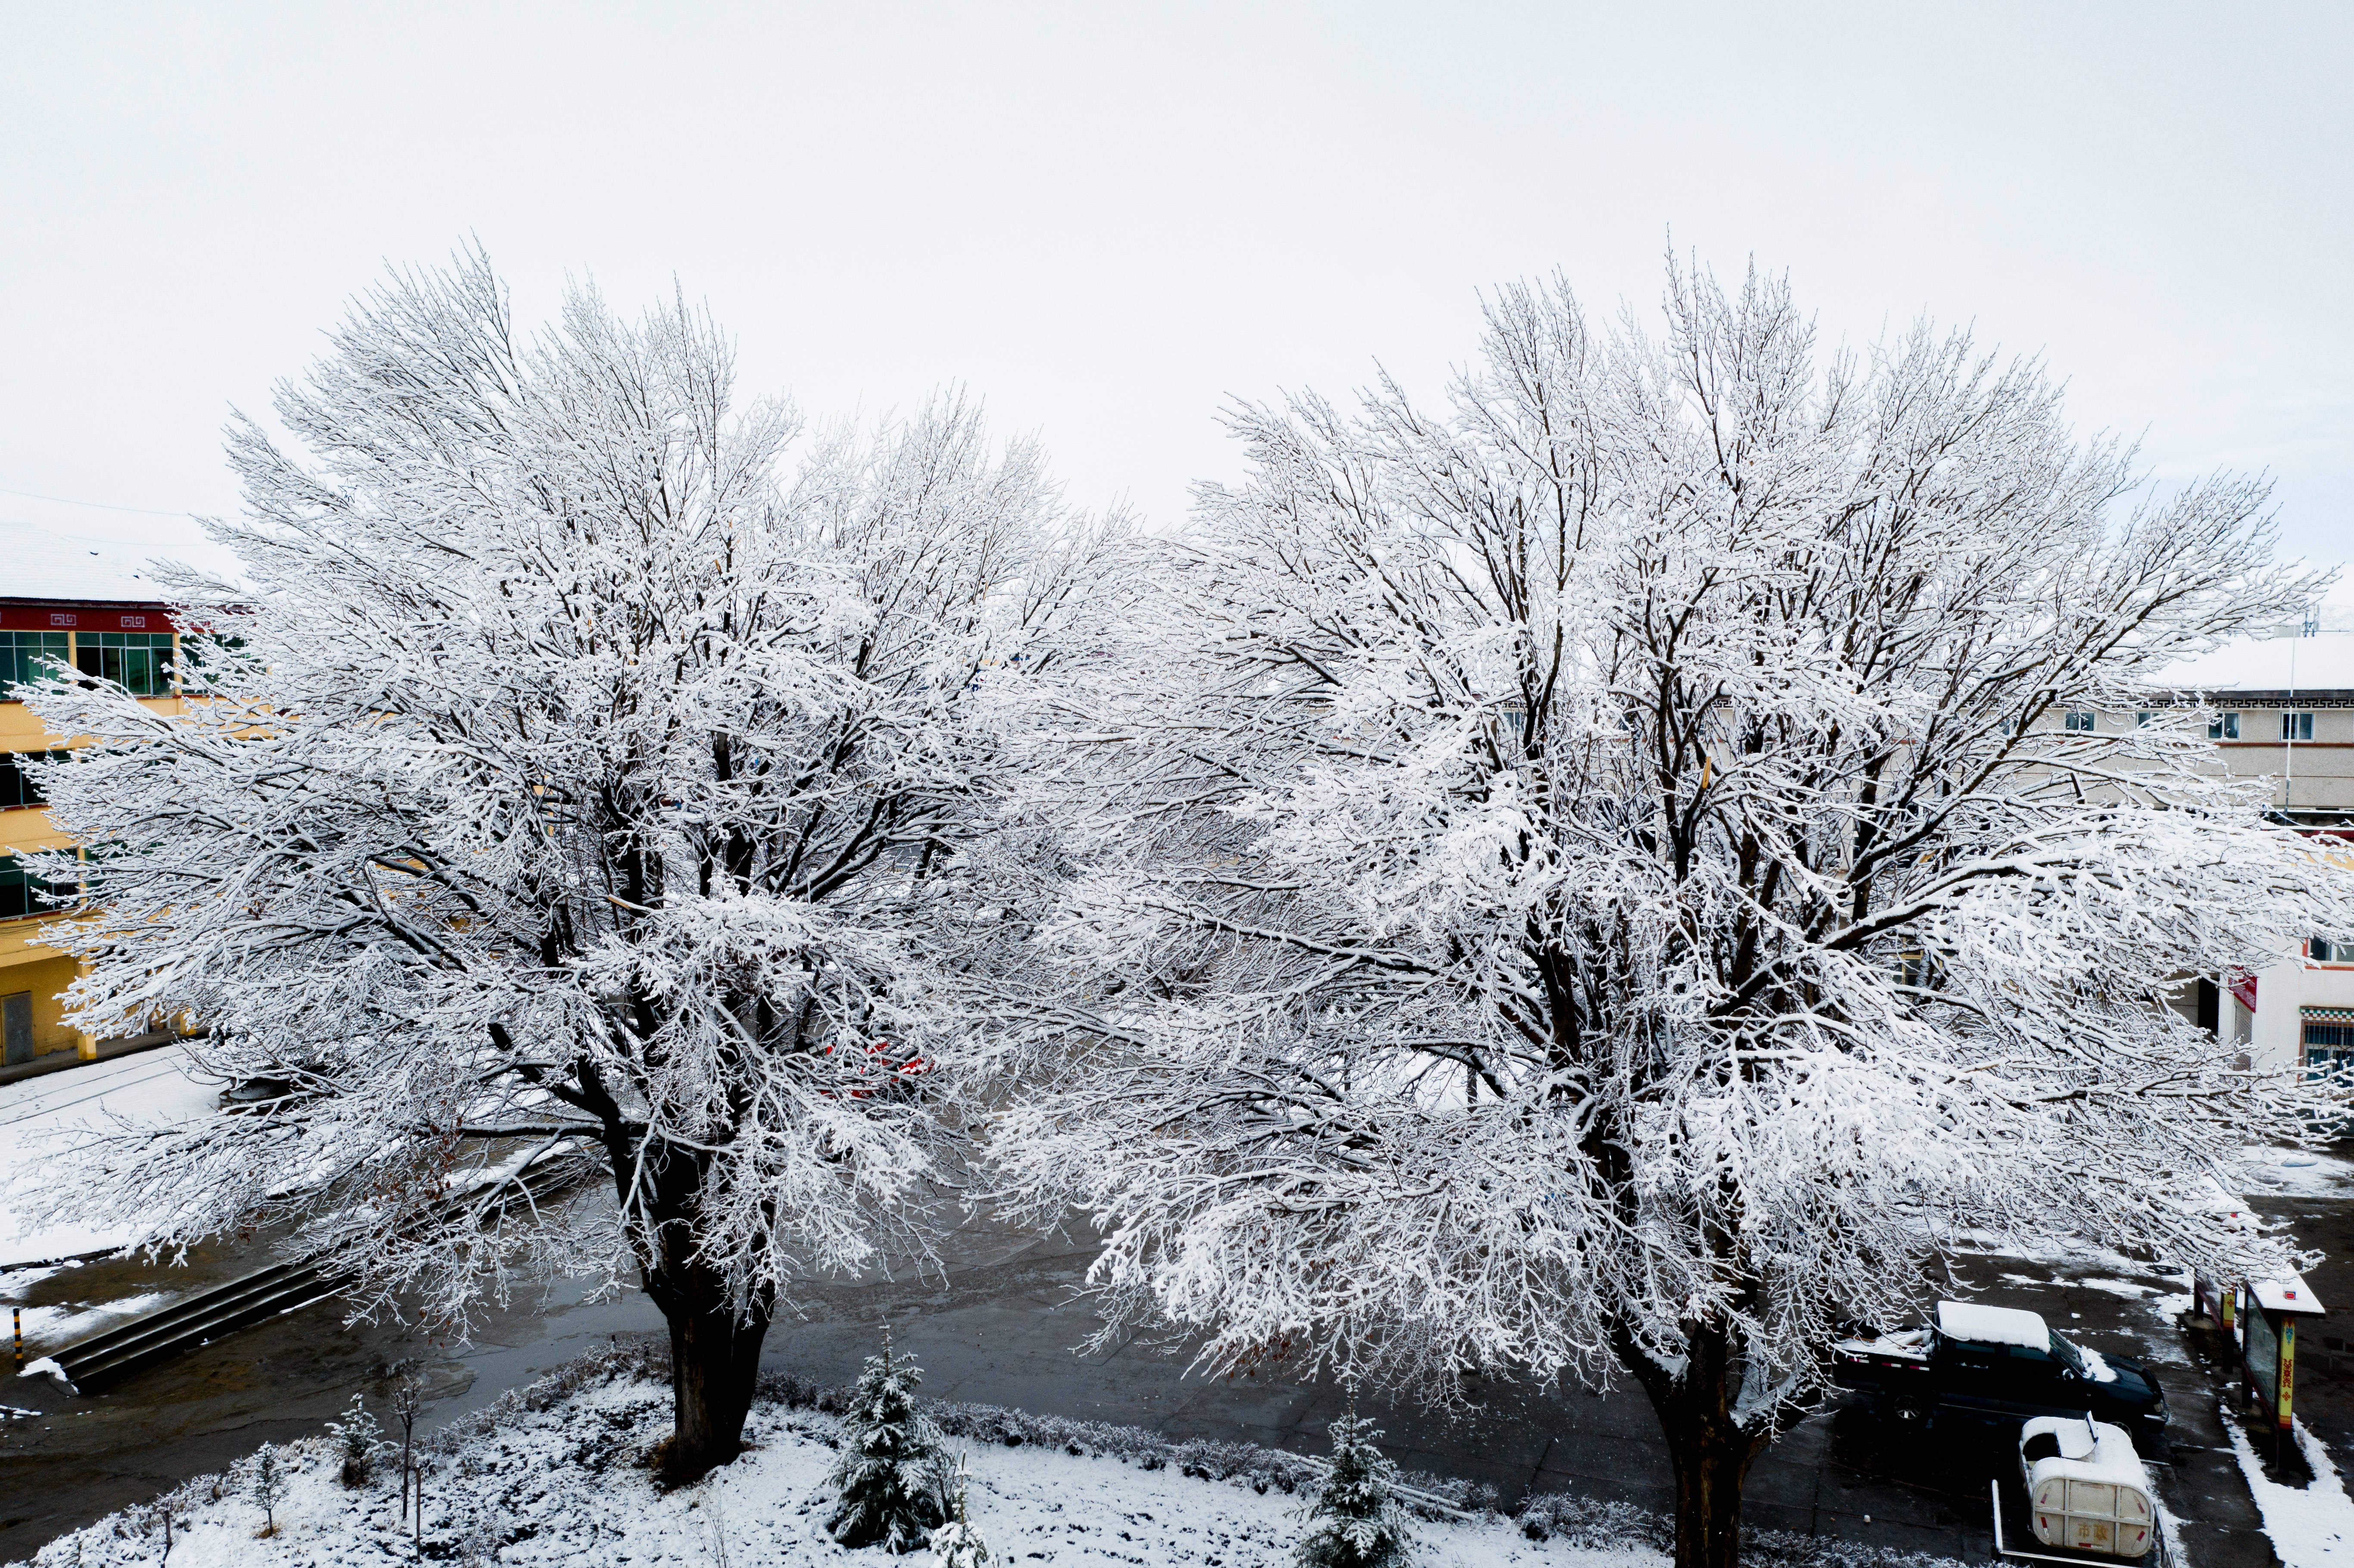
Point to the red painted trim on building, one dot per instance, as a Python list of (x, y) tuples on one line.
[(113, 615)]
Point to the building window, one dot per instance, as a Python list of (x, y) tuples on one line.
[(20, 890), (2080, 720), (16, 786), (2223, 726), (225, 652), (140, 662), (2330, 1043), (2296, 726), (23, 654), (2141, 719)]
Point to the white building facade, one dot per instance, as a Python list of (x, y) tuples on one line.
[(2282, 709)]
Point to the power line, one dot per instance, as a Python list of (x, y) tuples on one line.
[(96, 506), (42, 1109)]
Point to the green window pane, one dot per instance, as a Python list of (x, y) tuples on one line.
[(21, 653)]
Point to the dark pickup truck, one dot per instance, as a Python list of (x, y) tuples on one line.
[(1996, 1365)]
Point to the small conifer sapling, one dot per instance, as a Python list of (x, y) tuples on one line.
[(266, 1477), (890, 1473), (359, 1440), (1355, 1521)]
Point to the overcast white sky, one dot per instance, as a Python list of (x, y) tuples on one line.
[(1110, 219)]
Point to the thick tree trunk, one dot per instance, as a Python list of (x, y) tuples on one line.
[(714, 1338), (1708, 1474), (715, 1362), (1710, 1450)]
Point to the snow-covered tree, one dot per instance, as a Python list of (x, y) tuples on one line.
[(573, 770), (358, 1440), (891, 1477), (1355, 1521), (1591, 878)]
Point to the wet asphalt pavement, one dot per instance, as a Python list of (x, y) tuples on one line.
[(1001, 1328)]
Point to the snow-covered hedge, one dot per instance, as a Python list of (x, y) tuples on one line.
[(1244, 1464), (546, 1472), (1596, 1524)]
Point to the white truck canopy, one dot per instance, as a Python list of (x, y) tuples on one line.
[(1980, 1325)]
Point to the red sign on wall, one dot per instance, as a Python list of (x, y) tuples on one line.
[(2244, 987)]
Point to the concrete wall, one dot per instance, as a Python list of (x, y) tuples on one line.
[(46, 974)]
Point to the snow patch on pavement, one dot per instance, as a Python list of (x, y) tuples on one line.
[(66, 1322), (2295, 1171), (2070, 1252), (2309, 1529), (2163, 1343)]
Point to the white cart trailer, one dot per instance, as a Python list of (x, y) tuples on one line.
[(2086, 1489)]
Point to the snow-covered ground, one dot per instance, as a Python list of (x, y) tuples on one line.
[(2309, 1528), (2296, 1172), (41, 1323), (567, 1483), (41, 1121)]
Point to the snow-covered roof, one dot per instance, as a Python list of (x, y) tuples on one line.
[(2286, 1293), (1992, 1324), (2323, 662), (37, 563)]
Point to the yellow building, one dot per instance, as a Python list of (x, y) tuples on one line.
[(124, 639)]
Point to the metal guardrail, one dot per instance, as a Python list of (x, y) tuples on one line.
[(251, 1298)]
